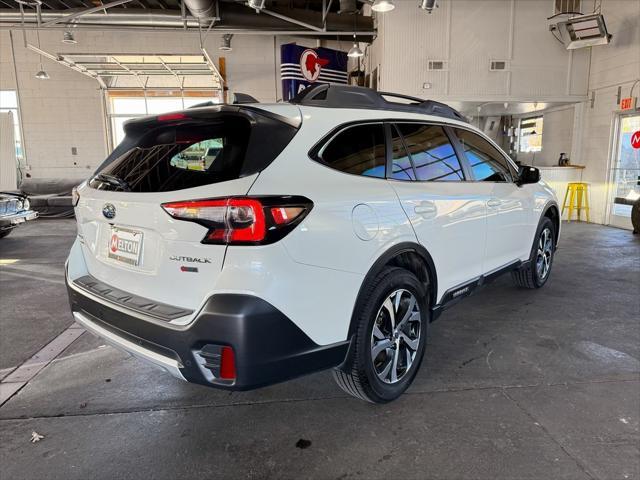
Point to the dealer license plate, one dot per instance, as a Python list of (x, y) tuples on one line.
[(125, 245)]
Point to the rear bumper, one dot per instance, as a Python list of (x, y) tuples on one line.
[(268, 347)]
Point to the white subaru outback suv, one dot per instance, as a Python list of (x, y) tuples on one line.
[(237, 246)]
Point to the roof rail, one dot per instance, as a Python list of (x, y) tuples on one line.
[(345, 96)]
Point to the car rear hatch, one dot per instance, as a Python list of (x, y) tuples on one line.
[(129, 241)]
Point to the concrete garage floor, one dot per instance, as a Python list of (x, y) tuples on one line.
[(516, 384)]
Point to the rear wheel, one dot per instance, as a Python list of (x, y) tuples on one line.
[(390, 339), (4, 233), (536, 273)]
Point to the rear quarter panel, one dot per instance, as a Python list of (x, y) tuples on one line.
[(354, 220)]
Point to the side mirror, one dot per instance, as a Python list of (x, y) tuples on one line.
[(528, 175)]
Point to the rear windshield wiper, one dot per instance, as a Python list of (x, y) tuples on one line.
[(113, 180)]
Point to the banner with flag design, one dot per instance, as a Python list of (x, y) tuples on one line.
[(301, 67)]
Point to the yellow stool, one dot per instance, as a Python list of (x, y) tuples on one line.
[(578, 194)]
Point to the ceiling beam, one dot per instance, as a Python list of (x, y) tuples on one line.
[(88, 11), (291, 20), (66, 5)]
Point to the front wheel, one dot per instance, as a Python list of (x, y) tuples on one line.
[(390, 339), (536, 273)]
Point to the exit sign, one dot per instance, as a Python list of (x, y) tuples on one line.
[(628, 103)]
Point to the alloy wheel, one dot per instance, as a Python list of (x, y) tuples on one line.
[(395, 337), (544, 254)]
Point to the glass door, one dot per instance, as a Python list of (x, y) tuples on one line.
[(625, 172)]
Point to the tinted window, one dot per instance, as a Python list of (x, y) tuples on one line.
[(433, 155), (487, 163), (359, 150), (156, 157), (401, 167), (175, 158)]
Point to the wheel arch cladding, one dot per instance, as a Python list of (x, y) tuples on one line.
[(410, 256), (552, 213)]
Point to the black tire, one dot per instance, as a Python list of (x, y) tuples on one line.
[(529, 276), (635, 216), (4, 233), (357, 376)]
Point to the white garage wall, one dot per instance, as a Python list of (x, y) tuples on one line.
[(467, 34), (557, 134), (612, 66), (57, 114), (67, 110)]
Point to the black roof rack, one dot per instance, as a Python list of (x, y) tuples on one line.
[(238, 99), (345, 96), (203, 104)]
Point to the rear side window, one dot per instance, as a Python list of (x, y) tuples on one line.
[(486, 162), (401, 166), (199, 152), (432, 153), (359, 150)]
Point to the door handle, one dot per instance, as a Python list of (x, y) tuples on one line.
[(494, 202), (425, 208)]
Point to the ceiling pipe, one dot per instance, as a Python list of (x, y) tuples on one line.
[(121, 19), (201, 8), (348, 6)]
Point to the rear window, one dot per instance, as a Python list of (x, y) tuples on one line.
[(193, 154)]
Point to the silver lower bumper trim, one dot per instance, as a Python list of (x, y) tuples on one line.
[(165, 363)]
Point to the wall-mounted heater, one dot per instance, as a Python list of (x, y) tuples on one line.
[(584, 31)]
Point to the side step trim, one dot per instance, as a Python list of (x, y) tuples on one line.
[(165, 363), (457, 293)]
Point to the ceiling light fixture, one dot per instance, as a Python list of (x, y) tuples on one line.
[(41, 74), (355, 51), (383, 6), (428, 5), (257, 5), (225, 42), (67, 37)]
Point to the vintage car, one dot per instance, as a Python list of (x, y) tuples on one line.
[(14, 210)]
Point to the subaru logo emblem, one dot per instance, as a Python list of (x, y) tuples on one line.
[(109, 211)]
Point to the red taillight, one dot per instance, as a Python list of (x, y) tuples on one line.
[(242, 220), (227, 364), (169, 117), (246, 219)]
